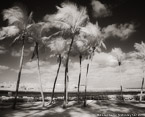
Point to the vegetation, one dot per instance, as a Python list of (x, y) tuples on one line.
[(66, 33)]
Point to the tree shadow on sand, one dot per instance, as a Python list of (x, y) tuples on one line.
[(93, 109)]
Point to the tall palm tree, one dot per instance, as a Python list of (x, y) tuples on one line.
[(69, 18), (35, 36), (141, 54), (119, 55), (94, 41), (18, 17), (81, 49), (58, 47)]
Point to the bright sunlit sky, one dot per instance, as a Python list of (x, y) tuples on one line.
[(104, 72)]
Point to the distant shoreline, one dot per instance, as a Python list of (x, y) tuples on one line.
[(71, 93)]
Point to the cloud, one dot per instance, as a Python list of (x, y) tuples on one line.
[(8, 31), (2, 50), (105, 59), (45, 67), (99, 9), (30, 67), (17, 53), (103, 73), (48, 73), (122, 31), (2, 68)]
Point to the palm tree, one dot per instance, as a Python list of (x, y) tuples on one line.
[(141, 54), (94, 41), (18, 18), (35, 35), (119, 55), (58, 47), (80, 48), (69, 18)]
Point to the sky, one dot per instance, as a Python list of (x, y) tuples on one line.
[(123, 24)]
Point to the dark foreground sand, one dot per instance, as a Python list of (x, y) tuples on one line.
[(93, 109)]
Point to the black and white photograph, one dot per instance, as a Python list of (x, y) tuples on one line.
[(72, 58)]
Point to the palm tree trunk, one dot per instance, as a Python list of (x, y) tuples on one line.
[(66, 90), (86, 81), (67, 84), (65, 87), (66, 76), (121, 88), (55, 79), (39, 76), (19, 75), (141, 92), (80, 57)]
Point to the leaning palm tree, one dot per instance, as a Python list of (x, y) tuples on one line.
[(81, 49), (119, 55), (18, 18), (35, 36), (69, 18), (141, 54), (94, 41), (58, 47)]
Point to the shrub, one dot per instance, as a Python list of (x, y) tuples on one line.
[(119, 97)]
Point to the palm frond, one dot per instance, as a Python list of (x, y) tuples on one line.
[(103, 44), (91, 32), (34, 30), (80, 46), (14, 41), (91, 29), (118, 54), (58, 45), (38, 32), (67, 13), (46, 40), (140, 49), (30, 18), (15, 14), (82, 19), (71, 15), (61, 25), (3, 37)]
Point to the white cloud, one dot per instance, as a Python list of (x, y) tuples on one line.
[(32, 66), (122, 31), (99, 9), (2, 68), (2, 50), (17, 53), (8, 32), (105, 59), (103, 73), (45, 67)]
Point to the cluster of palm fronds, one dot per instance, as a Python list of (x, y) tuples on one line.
[(68, 32)]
